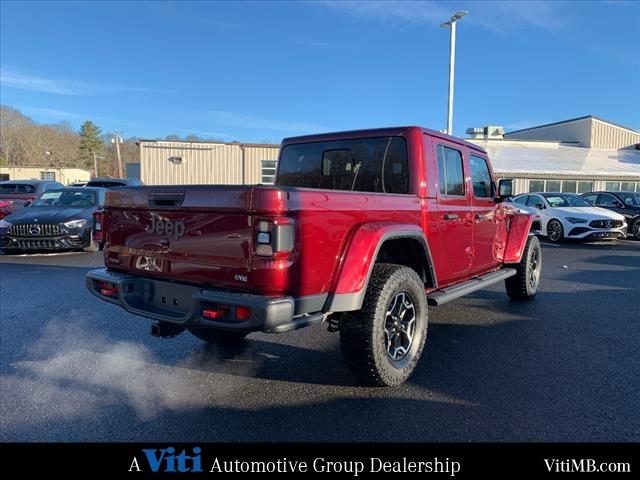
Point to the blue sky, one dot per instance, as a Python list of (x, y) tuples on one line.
[(266, 70)]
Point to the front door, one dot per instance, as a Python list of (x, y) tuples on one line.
[(485, 224), (454, 210)]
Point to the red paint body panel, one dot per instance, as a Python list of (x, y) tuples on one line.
[(518, 234), (337, 233)]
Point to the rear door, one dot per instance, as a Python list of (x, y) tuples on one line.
[(454, 210), (485, 224)]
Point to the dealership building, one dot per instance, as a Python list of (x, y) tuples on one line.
[(577, 155), (65, 176)]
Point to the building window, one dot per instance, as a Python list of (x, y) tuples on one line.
[(628, 187), (584, 187), (612, 186), (536, 185), (48, 176), (552, 186), (268, 171), (569, 186)]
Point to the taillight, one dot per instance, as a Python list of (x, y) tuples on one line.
[(98, 227), (107, 289), (274, 237)]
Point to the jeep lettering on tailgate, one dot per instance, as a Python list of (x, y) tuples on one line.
[(165, 227)]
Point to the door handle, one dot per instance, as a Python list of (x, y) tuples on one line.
[(451, 216)]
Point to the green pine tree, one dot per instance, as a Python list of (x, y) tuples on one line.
[(90, 142)]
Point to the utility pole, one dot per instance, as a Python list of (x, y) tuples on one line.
[(117, 140), (452, 64), (96, 157)]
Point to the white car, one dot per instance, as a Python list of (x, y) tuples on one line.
[(567, 215)]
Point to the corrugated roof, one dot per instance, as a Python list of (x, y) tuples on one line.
[(569, 121), (551, 157)]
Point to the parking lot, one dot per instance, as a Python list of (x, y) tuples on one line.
[(563, 367)]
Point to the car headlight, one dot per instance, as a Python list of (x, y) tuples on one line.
[(75, 223), (576, 220), (4, 224)]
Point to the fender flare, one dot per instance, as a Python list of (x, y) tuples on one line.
[(519, 228), (358, 259)]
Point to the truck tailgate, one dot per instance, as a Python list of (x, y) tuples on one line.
[(196, 234)]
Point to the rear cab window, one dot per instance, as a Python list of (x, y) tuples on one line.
[(378, 165)]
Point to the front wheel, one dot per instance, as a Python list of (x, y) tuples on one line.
[(382, 343), (555, 231), (635, 229), (524, 284)]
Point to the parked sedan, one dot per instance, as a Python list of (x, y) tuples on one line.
[(567, 215), (626, 204), (61, 219), (20, 193)]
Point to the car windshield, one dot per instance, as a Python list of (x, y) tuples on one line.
[(66, 198), (556, 200), (16, 188), (631, 199)]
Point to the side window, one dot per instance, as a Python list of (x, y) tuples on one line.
[(591, 198), (450, 172), (606, 200), (481, 178), (522, 200), (395, 171), (535, 201)]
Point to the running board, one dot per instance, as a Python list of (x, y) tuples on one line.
[(440, 297)]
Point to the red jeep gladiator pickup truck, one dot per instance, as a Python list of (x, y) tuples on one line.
[(362, 230)]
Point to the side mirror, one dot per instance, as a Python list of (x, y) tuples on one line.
[(539, 206), (505, 188), (27, 203), (617, 204)]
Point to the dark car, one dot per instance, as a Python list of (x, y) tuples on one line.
[(20, 193), (624, 203), (114, 182), (61, 219)]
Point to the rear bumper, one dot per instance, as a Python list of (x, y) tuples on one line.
[(182, 304)]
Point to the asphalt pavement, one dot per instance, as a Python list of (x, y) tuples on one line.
[(563, 367)]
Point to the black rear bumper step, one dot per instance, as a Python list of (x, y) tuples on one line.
[(440, 297)]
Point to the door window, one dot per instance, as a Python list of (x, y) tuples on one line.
[(480, 177), (450, 172)]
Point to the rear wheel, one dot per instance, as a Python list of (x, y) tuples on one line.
[(555, 231), (524, 284), (211, 335), (382, 342)]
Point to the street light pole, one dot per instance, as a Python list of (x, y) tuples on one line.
[(451, 24)]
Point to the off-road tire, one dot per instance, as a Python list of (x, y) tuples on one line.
[(362, 333), (524, 284), (211, 335)]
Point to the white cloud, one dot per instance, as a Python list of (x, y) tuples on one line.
[(13, 79), (202, 132), (496, 16), (55, 114), (249, 121)]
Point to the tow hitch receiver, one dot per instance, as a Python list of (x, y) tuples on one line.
[(166, 329)]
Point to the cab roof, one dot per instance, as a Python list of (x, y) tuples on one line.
[(378, 132)]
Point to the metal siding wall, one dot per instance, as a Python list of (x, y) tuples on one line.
[(253, 161), (610, 137), (579, 131), (202, 163)]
